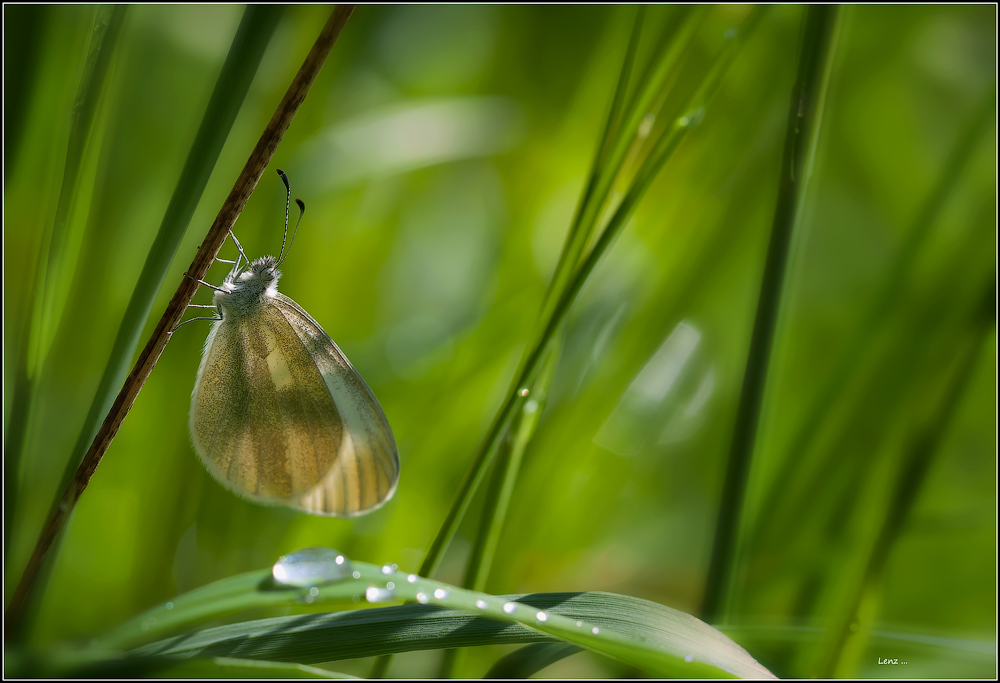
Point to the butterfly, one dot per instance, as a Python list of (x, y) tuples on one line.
[(278, 413)]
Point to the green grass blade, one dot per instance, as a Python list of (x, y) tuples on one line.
[(844, 367), (229, 667), (23, 27), (652, 637), (530, 659), (804, 117), (54, 272), (908, 484), (245, 53), (531, 365)]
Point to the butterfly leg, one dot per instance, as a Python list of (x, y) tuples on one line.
[(191, 320), (202, 282)]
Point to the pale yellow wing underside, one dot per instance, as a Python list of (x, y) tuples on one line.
[(280, 416)]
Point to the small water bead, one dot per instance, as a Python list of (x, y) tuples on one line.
[(542, 616), (595, 630), (510, 607), (169, 605), (422, 598), (374, 594), (314, 591), (482, 604), (390, 585), (646, 126), (441, 593), (524, 392), (579, 624), (412, 578), (311, 567), (395, 566), (688, 658), (356, 575), (531, 407), (387, 569)]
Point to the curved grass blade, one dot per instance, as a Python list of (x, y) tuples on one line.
[(654, 638), (530, 659)]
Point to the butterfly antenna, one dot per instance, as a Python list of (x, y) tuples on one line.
[(288, 199), (302, 211)]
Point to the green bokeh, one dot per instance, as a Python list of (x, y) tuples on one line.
[(441, 153)]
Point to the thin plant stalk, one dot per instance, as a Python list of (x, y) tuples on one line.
[(233, 205), (501, 488), (804, 118), (36, 321)]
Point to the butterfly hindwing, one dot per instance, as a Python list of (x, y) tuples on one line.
[(367, 468)]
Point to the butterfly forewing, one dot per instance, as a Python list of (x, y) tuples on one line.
[(280, 416)]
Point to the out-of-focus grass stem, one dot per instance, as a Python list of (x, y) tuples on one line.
[(907, 486), (804, 118), (845, 365)]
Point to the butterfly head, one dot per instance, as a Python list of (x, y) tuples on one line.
[(245, 291)]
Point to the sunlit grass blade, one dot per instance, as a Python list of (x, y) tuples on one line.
[(652, 637), (57, 259), (230, 667), (819, 38)]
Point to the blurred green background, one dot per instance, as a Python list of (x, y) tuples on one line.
[(440, 154)]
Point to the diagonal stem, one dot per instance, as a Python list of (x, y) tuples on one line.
[(237, 199)]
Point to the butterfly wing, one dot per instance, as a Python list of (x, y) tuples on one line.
[(274, 420), (365, 473)]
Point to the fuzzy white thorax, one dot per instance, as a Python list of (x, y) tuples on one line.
[(247, 292)]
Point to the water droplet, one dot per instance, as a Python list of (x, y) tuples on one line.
[(579, 623), (422, 598), (145, 626), (356, 575), (395, 566), (482, 604), (355, 598), (390, 585), (730, 33), (169, 605), (387, 569), (595, 630), (531, 406), (374, 594), (311, 567), (542, 616), (441, 593), (691, 118), (412, 578), (688, 658), (314, 591), (510, 607), (646, 126), (524, 392)]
